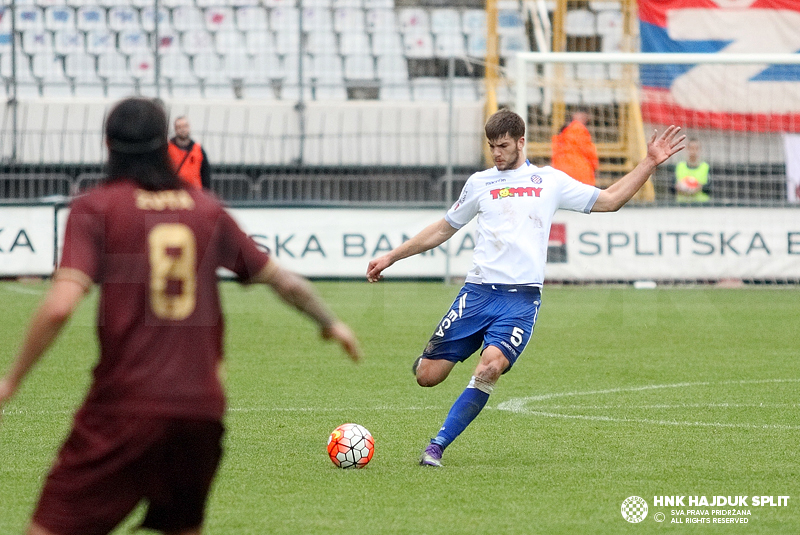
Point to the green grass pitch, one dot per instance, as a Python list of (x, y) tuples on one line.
[(621, 392)]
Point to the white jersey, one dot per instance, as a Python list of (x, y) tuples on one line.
[(515, 209)]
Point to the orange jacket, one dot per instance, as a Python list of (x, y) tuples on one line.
[(188, 165), (575, 154)]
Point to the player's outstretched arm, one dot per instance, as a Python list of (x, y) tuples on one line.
[(298, 292), (431, 236), (659, 149), (56, 309)]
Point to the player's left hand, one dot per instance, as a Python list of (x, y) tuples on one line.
[(661, 147)]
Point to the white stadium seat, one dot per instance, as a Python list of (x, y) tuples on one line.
[(392, 68), (37, 41), (220, 19), (284, 18), (413, 20), (197, 42), (229, 41), (91, 18), (59, 18), (257, 41), (187, 18), (359, 67), (381, 20), (346, 19), (251, 18), (121, 18), (29, 18), (418, 45), (580, 22), (317, 19), (447, 45), (321, 42), (132, 42), (68, 41), (473, 21), (355, 42), (387, 44), (149, 20), (100, 41), (427, 89), (445, 21)]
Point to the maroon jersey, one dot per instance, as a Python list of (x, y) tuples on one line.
[(155, 256)]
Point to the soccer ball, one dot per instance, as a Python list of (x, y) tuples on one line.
[(350, 446)]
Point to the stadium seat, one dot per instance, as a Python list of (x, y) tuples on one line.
[(279, 3), (464, 89), (324, 4), (141, 67), (448, 45), (81, 68), (58, 18), (580, 22), (228, 41), (284, 18), (610, 22), (380, 20), (388, 43), (123, 18), (176, 67), (237, 64), (267, 67), (612, 43), (395, 91), (509, 22), (287, 41), (187, 18), (359, 67), (511, 44), (172, 4), (100, 41), (291, 69), (132, 42), (291, 92), (251, 18), (392, 68), (418, 45), (427, 89), (113, 67), (445, 21), (168, 41), (355, 4), (330, 92), (37, 41), (321, 42), (68, 41), (379, 4), (48, 69), (29, 18), (220, 19), (317, 19), (149, 20), (413, 20), (346, 19), (476, 45), (197, 42), (257, 41), (325, 68), (473, 21), (91, 18), (354, 42)]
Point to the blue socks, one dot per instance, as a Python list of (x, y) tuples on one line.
[(468, 405)]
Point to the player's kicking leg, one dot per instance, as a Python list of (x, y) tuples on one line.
[(468, 405)]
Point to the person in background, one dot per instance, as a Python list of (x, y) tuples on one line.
[(150, 428), (691, 176), (573, 149), (188, 156)]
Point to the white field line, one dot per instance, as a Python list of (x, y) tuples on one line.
[(16, 288), (529, 405)]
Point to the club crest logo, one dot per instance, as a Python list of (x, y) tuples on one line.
[(536, 179), (634, 509)]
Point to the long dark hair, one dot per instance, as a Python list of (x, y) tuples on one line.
[(136, 133)]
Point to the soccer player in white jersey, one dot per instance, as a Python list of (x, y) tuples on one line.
[(497, 307)]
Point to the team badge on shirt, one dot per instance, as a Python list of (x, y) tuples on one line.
[(536, 179)]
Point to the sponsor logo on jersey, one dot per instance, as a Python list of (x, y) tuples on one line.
[(496, 181), (502, 193)]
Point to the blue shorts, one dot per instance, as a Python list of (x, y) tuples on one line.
[(486, 314)]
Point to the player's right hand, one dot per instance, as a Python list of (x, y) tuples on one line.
[(376, 267), (347, 339)]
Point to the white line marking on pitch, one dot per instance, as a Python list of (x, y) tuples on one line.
[(519, 405), (22, 289)]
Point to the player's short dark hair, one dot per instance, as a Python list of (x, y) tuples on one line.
[(136, 133), (504, 122)]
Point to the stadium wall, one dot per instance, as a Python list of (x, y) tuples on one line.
[(670, 244)]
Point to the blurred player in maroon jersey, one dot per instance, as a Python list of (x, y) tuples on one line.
[(150, 427)]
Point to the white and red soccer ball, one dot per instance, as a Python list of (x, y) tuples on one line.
[(351, 446)]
